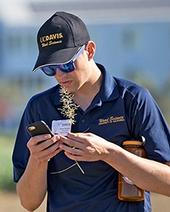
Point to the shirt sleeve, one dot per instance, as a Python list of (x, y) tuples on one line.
[(148, 121), (21, 153)]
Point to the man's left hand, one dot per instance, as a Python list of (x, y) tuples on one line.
[(85, 146)]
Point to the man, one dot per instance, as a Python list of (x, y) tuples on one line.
[(79, 170)]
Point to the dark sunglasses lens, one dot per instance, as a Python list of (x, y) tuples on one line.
[(68, 67), (49, 70)]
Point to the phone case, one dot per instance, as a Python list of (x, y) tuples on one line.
[(39, 128)]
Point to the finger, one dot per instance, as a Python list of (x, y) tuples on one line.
[(74, 157), (39, 138), (51, 155), (72, 143), (71, 150), (80, 137), (49, 151), (41, 146), (45, 144)]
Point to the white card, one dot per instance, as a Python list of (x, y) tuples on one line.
[(61, 127)]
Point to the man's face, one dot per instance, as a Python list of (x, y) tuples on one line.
[(76, 80)]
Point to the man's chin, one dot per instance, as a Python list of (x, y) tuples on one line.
[(68, 89)]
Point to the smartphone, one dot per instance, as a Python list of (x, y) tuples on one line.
[(39, 128)]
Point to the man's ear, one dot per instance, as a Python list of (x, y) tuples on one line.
[(90, 49)]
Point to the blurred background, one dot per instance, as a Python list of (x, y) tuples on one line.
[(133, 41)]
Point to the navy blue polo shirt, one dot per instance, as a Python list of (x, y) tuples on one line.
[(120, 111)]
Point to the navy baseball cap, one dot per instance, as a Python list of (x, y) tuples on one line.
[(59, 39)]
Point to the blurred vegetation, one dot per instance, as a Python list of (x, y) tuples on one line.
[(6, 146)]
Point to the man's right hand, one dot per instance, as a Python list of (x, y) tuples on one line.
[(43, 147)]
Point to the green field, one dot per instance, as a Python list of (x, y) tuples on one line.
[(6, 148)]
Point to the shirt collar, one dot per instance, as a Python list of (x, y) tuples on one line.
[(109, 90)]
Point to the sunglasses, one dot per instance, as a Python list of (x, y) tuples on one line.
[(50, 70)]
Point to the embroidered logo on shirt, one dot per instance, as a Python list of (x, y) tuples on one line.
[(111, 119)]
